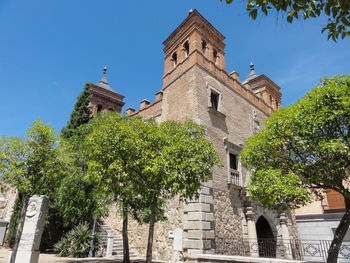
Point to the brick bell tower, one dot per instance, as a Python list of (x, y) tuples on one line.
[(194, 41), (104, 97)]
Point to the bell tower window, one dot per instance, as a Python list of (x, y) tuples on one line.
[(99, 108), (215, 56), (174, 59), (187, 49), (204, 46)]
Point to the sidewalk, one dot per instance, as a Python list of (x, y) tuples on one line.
[(50, 258)]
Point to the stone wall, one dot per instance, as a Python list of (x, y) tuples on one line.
[(228, 222), (7, 201), (138, 234)]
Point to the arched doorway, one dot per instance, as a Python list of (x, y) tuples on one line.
[(266, 240)]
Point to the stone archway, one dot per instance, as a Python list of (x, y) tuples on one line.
[(265, 237)]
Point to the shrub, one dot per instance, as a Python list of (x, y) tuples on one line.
[(76, 243)]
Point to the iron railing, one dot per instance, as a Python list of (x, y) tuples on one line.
[(235, 177), (313, 250)]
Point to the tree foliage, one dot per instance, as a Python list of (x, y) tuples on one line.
[(79, 200), (31, 166), (337, 11), (305, 150), (156, 161), (81, 113)]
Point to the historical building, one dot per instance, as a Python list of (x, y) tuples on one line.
[(197, 86)]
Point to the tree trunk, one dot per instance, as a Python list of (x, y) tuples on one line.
[(150, 234), (339, 235), (19, 230), (126, 256)]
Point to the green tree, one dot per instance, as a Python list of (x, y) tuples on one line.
[(81, 113), (32, 166), (337, 11), (158, 161), (78, 199), (60, 218), (304, 152)]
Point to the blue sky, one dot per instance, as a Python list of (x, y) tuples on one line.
[(50, 48)]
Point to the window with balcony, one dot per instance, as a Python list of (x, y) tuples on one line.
[(235, 176), (234, 173)]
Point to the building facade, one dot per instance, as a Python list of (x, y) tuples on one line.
[(197, 86)]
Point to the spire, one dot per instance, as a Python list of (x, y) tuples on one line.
[(103, 82), (252, 74)]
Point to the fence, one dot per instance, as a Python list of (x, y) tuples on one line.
[(314, 250)]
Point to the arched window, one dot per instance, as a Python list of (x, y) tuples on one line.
[(174, 58), (99, 108), (187, 48), (204, 46), (215, 56)]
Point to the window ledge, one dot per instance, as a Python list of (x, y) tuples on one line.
[(217, 113)]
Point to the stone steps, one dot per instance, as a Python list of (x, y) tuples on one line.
[(117, 249)]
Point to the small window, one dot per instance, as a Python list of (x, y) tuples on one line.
[(99, 108), (277, 104), (215, 56), (233, 161), (204, 46), (214, 99), (270, 99), (174, 58), (187, 48)]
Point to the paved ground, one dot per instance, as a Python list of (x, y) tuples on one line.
[(50, 258)]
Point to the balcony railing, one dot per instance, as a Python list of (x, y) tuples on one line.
[(234, 177), (309, 250)]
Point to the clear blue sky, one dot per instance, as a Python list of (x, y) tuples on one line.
[(50, 48)]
